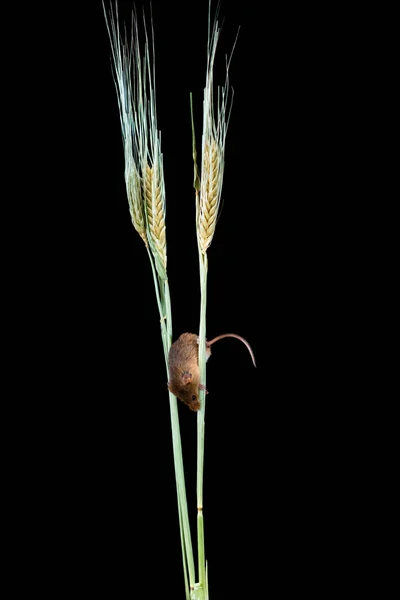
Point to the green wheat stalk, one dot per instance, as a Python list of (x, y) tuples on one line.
[(134, 77), (208, 189)]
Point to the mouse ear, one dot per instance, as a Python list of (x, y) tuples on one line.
[(187, 377)]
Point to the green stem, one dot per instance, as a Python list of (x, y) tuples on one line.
[(201, 419), (181, 488), (161, 308), (186, 540), (185, 569), (201, 589), (164, 308), (168, 311)]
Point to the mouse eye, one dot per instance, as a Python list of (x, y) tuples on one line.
[(193, 397)]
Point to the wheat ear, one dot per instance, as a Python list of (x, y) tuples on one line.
[(122, 54), (135, 201), (155, 211), (215, 123), (210, 194)]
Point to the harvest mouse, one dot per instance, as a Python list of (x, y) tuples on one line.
[(183, 366)]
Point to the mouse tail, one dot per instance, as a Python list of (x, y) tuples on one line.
[(238, 337)]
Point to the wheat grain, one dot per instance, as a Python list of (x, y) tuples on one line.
[(155, 211), (211, 176), (215, 122), (134, 192)]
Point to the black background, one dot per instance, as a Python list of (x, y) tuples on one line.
[(268, 492)]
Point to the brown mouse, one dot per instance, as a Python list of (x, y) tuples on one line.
[(183, 366)]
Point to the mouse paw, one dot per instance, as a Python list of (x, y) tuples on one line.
[(203, 387)]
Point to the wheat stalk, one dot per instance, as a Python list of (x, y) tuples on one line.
[(134, 78), (207, 207), (135, 84)]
